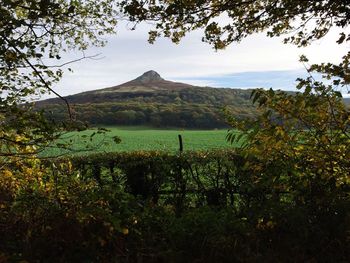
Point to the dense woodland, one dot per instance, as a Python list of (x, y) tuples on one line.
[(191, 107)]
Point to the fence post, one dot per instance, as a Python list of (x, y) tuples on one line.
[(180, 143)]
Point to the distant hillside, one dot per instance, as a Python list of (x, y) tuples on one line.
[(154, 101), (151, 100)]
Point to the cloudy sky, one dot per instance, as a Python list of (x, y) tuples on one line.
[(257, 61)]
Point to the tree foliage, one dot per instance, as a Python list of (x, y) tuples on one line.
[(225, 22), (33, 36)]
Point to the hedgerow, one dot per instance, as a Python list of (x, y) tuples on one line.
[(157, 207)]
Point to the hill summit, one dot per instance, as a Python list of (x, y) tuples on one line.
[(149, 76), (149, 81)]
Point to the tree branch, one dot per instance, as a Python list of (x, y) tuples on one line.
[(40, 76)]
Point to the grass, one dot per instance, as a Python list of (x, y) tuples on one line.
[(140, 138)]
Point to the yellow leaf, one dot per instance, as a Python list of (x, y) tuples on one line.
[(125, 231)]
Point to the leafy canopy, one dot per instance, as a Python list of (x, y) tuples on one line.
[(225, 21), (33, 36)]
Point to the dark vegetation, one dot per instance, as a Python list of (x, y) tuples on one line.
[(160, 207)]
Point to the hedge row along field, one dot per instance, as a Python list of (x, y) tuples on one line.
[(209, 206), (190, 179)]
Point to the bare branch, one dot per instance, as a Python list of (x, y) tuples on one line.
[(93, 57)]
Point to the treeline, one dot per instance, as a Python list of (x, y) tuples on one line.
[(197, 95), (157, 115), (190, 108)]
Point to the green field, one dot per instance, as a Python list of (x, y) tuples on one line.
[(141, 138)]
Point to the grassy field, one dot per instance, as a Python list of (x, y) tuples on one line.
[(141, 138)]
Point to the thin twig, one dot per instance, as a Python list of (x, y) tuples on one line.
[(94, 57), (40, 76)]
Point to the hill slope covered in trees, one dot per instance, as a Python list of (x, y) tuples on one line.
[(151, 100)]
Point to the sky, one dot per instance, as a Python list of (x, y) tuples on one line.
[(257, 61)]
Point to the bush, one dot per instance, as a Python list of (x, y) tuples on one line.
[(157, 207)]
